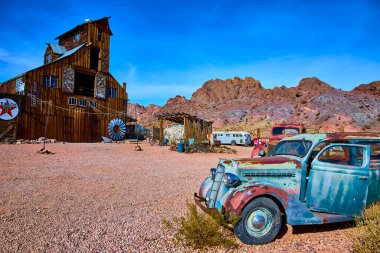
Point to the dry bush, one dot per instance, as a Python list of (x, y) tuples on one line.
[(368, 239), (199, 230), (366, 127)]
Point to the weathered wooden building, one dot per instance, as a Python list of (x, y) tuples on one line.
[(75, 78)]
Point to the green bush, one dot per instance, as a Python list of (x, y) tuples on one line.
[(368, 239), (199, 230)]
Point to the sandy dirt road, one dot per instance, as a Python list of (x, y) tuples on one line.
[(109, 198)]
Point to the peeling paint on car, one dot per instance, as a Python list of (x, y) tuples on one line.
[(306, 196)]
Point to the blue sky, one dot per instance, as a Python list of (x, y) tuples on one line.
[(167, 48)]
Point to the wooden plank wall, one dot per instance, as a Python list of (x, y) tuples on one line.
[(79, 124), (74, 126)]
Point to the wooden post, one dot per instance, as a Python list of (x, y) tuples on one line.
[(161, 131), (258, 133), (47, 121), (185, 126)]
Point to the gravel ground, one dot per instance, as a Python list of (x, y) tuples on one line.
[(109, 198)]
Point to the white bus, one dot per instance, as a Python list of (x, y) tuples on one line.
[(232, 137)]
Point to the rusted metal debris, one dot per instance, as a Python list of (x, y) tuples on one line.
[(205, 148), (45, 151)]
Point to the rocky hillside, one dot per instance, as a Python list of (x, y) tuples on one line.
[(244, 102)]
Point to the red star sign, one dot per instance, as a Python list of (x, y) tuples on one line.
[(7, 109)]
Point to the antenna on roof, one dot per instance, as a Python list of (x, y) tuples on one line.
[(87, 20)]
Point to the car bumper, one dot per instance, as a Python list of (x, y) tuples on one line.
[(201, 203)]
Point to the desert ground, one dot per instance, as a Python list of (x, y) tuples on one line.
[(100, 197)]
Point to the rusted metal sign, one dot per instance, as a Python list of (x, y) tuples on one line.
[(8, 109)]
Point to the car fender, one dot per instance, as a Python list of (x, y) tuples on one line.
[(205, 187), (296, 212)]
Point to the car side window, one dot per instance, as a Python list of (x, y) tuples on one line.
[(343, 155)]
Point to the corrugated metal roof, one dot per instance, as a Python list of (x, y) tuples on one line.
[(71, 52), (83, 24), (57, 48)]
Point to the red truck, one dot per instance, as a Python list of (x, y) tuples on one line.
[(277, 133)]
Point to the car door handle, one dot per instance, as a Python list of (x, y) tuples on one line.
[(363, 178)]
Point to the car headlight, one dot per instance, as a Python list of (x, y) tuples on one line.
[(213, 173), (231, 180)]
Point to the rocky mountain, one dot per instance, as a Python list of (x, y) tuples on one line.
[(143, 114), (239, 102)]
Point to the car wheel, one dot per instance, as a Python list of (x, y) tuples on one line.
[(233, 143), (260, 222)]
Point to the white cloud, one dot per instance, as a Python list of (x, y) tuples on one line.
[(13, 64), (21, 60)]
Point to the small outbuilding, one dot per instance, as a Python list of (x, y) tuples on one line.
[(194, 127)]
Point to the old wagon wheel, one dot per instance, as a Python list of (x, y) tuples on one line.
[(117, 129)]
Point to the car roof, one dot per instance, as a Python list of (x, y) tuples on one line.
[(335, 136)]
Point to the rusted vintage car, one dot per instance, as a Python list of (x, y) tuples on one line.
[(307, 179), (277, 133)]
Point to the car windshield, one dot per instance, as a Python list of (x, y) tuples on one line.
[(295, 148), (285, 130)]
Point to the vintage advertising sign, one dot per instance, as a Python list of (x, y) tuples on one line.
[(20, 85), (8, 109), (68, 79), (100, 86)]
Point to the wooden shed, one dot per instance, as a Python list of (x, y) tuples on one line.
[(194, 127), (75, 80)]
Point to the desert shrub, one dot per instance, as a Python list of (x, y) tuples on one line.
[(368, 238), (366, 127), (199, 230)]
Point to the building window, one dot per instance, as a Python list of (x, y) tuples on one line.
[(82, 102), (99, 35), (48, 58), (94, 58), (53, 82), (72, 101), (50, 81), (111, 92), (76, 37), (92, 104), (20, 86)]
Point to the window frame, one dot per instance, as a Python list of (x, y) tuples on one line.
[(111, 92), (48, 58), (325, 149), (100, 35), (82, 103), (92, 104), (47, 81), (72, 99), (77, 36)]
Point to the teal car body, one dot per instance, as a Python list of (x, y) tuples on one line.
[(311, 178)]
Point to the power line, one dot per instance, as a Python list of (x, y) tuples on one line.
[(71, 110)]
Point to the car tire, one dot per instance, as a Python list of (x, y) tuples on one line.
[(233, 143), (260, 222)]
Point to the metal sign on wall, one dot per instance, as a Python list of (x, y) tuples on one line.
[(100, 83), (8, 109), (68, 79)]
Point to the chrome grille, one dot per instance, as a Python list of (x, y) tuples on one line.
[(216, 185), (270, 174)]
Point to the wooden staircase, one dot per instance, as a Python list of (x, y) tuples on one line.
[(8, 131)]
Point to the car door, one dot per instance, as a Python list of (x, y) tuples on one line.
[(338, 179)]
